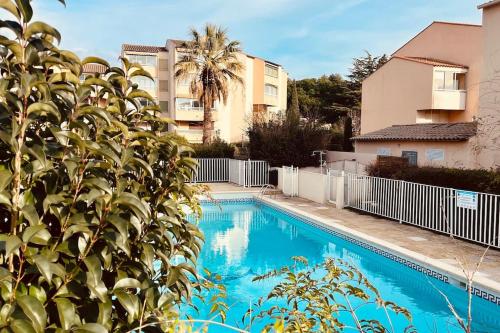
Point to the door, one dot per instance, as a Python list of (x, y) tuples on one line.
[(412, 156)]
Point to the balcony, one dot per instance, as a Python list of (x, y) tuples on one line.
[(449, 99), (192, 113), (192, 135)]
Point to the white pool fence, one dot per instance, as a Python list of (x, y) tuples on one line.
[(468, 215), (246, 173)]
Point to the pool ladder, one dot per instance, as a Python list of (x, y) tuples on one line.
[(264, 188)]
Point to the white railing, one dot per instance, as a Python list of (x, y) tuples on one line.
[(290, 181), (212, 170), (468, 215), (220, 170)]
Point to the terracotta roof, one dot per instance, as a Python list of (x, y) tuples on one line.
[(422, 132), (488, 4), (94, 68), (431, 61), (143, 48)]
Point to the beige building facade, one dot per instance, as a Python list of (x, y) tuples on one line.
[(262, 95), (435, 81)]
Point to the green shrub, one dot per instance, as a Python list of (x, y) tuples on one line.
[(281, 144), (465, 179), (93, 236), (218, 148)]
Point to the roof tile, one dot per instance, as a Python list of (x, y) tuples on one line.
[(94, 68), (422, 132), (143, 48)]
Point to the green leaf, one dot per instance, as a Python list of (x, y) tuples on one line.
[(130, 303), (141, 72), (26, 9), (29, 213), (132, 201), (5, 199), (66, 311), (140, 94), (65, 77), (34, 310), (43, 109), (36, 230), (104, 318), (95, 111), (5, 179), (95, 60), (147, 255), (10, 7), (9, 243), (94, 278), (97, 183), (91, 328), (127, 283), (22, 326), (43, 28), (91, 81)]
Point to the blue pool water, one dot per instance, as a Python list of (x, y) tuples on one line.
[(246, 239)]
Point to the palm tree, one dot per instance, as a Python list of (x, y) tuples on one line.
[(210, 61)]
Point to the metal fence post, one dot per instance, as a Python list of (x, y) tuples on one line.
[(400, 208)]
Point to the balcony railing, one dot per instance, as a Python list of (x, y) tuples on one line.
[(449, 99), (189, 108)]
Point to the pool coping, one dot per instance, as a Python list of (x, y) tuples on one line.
[(482, 287)]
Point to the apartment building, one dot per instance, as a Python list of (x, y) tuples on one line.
[(436, 100), (263, 93)]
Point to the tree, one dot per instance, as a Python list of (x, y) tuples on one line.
[(293, 113), (362, 68), (326, 98), (91, 192), (348, 134), (211, 62)]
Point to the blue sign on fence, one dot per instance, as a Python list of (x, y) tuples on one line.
[(467, 199)]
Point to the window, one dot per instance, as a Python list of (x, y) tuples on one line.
[(145, 102), (271, 70), (148, 60), (444, 80), (435, 154), (164, 106), (383, 151), (271, 90), (144, 82), (411, 156), (163, 64), (163, 85), (188, 104)]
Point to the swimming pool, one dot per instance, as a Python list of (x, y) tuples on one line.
[(249, 238)]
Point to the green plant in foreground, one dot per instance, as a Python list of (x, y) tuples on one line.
[(93, 237), (317, 296)]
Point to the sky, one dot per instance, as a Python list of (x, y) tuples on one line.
[(308, 37)]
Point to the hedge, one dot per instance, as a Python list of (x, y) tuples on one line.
[(218, 148), (487, 181), (287, 144)]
